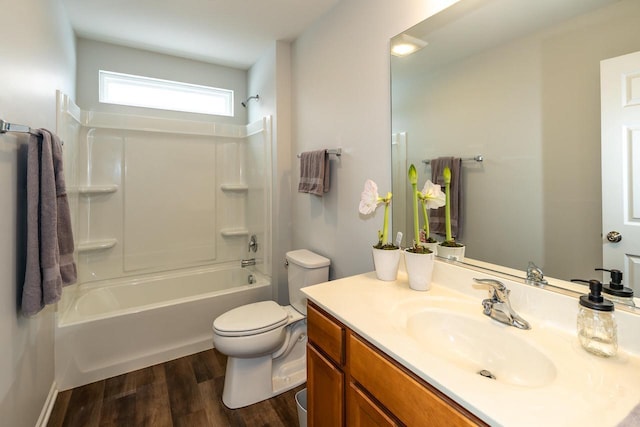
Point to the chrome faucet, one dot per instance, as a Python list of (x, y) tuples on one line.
[(253, 243), (498, 307), (247, 262), (535, 276)]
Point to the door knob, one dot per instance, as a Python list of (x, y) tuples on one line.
[(614, 236)]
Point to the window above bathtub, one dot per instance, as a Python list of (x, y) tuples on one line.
[(140, 91)]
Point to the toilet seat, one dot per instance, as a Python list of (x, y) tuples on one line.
[(251, 319)]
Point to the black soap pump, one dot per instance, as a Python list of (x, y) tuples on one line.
[(596, 324), (615, 290)]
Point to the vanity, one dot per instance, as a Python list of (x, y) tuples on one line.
[(380, 353)]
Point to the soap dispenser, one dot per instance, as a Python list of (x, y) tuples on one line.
[(615, 290), (597, 330)]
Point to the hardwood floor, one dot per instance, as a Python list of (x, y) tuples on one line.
[(182, 392)]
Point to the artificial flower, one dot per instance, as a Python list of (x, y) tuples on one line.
[(369, 201), (432, 195)]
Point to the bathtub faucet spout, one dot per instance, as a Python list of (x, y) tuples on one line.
[(247, 262)]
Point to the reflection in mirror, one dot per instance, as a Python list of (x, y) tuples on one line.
[(518, 82)]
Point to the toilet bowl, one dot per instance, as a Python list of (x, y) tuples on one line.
[(266, 342)]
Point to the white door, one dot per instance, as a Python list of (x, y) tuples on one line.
[(620, 104)]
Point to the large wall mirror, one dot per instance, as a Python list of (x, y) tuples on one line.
[(518, 82)]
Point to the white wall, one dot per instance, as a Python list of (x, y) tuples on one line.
[(341, 99), (270, 77), (94, 56), (38, 57)]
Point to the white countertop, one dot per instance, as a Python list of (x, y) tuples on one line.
[(586, 391)]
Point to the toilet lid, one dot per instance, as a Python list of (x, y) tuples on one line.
[(251, 319)]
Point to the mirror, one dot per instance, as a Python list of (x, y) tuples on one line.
[(516, 81)]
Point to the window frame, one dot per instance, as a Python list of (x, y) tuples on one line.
[(222, 100)]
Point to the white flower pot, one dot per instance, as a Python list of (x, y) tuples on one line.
[(419, 270), (433, 247), (452, 253), (386, 263)]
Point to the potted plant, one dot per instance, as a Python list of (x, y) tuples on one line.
[(386, 255), (418, 258), (449, 249)]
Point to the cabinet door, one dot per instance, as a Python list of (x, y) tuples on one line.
[(325, 391), (363, 412)]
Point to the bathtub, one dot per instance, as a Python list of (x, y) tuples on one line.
[(113, 327)]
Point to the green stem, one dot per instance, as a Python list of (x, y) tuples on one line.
[(385, 227), (447, 207), (416, 228), (426, 220), (413, 180)]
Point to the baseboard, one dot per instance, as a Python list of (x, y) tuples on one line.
[(43, 419)]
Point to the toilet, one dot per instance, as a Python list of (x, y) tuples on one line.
[(265, 342)]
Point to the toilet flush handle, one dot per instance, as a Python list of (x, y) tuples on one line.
[(286, 263)]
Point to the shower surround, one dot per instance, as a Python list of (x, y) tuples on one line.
[(167, 207)]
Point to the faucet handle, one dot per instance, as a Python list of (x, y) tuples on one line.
[(495, 284), (498, 291), (498, 307), (535, 275)]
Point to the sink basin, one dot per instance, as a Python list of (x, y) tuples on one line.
[(478, 345)]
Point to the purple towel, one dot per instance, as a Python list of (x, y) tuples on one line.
[(50, 264), (314, 172), (437, 219)]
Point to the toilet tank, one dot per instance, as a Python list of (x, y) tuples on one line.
[(305, 268)]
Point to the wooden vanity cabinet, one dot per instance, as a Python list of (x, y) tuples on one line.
[(351, 383), (325, 369)]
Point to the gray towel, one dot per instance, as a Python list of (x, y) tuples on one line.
[(50, 264), (437, 219), (633, 419), (314, 172)]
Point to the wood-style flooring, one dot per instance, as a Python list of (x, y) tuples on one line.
[(182, 392)]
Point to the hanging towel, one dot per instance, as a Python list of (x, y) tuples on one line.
[(314, 172), (50, 264), (437, 218)]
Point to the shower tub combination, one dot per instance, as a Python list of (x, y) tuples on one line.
[(122, 325), (153, 275)]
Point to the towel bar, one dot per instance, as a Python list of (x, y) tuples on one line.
[(11, 127), (335, 151), (479, 158)]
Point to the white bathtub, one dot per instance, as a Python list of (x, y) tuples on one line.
[(119, 326)]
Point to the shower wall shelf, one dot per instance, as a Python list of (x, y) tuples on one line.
[(234, 232), (95, 190), (96, 245), (234, 187)]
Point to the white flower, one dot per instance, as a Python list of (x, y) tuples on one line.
[(369, 201), (369, 198), (433, 195)]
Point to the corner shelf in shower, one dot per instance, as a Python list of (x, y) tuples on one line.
[(95, 190), (96, 245), (237, 188), (234, 232)]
